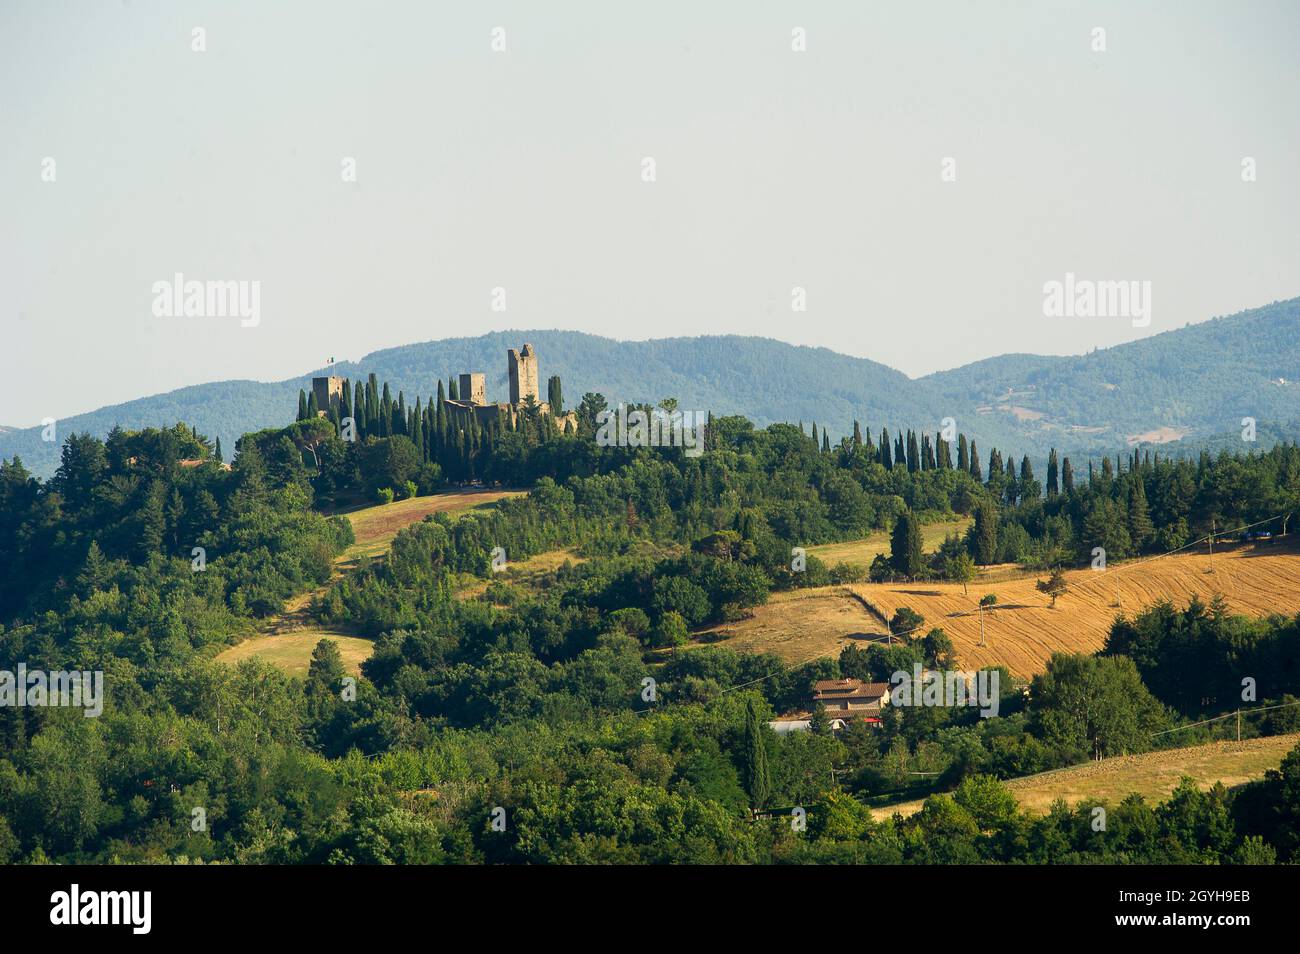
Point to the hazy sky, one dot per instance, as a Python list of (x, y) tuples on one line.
[(522, 169)]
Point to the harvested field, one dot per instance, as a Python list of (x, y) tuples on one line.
[(865, 550), (800, 626), (1153, 775), (376, 526), (1022, 631)]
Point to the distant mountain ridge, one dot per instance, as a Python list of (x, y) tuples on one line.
[(1196, 382)]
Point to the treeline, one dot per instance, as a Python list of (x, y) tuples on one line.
[(564, 702), (141, 506)]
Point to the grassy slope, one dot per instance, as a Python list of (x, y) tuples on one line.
[(1153, 775), (287, 640), (1023, 630)]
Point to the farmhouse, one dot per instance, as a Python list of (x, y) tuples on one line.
[(850, 695)]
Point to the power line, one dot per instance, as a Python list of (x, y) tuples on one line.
[(1228, 715)]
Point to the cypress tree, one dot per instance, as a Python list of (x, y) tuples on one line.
[(905, 553), (886, 457), (358, 411), (758, 780), (985, 534), (963, 455), (555, 394), (975, 463), (1067, 476), (312, 407), (857, 435), (302, 405), (386, 413), (1052, 487), (220, 459)]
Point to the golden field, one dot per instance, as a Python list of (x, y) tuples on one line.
[(1022, 630), (1153, 775)]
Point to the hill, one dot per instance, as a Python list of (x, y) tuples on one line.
[(1153, 775), (1022, 630), (288, 639), (1195, 383)]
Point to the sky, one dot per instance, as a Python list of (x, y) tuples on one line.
[(524, 169)]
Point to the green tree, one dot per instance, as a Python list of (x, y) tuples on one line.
[(984, 534), (758, 780), (1054, 585), (905, 546), (961, 569)]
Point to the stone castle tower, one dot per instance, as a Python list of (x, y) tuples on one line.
[(473, 387), (522, 366), (326, 391)]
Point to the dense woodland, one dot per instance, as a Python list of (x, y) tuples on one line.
[(533, 699)]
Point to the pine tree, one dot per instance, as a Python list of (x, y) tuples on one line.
[(1140, 528), (94, 571)]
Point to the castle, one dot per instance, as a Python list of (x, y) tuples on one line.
[(471, 394), (521, 369)]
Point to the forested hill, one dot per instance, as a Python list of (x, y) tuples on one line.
[(1201, 378), (1197, 381)]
